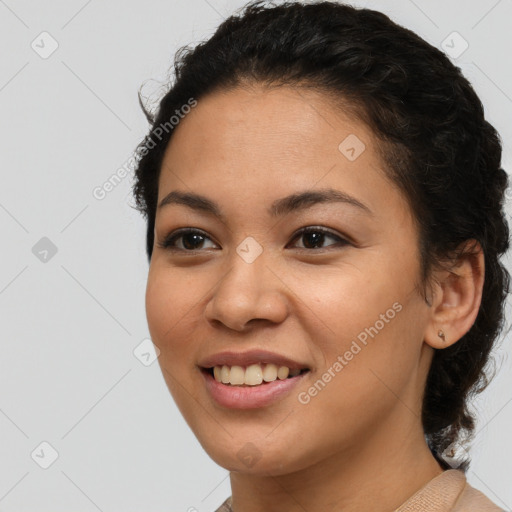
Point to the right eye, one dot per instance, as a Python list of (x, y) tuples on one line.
[(191, 239)]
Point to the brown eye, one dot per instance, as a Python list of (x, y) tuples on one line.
[(314, 237), (191, 239)]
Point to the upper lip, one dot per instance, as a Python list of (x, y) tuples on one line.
[(249, 357)]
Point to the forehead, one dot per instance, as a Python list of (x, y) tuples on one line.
[(290, 122), (263, 143)]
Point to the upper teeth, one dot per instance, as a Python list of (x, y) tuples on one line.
[(253, 375)]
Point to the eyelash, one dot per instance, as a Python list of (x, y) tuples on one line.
[(169, 240)]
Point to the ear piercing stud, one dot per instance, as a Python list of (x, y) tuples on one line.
[(440, 333)]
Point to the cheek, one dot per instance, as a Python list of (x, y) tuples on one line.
[(170, 311), (343, 300), (158, 306), (170, 301), (370, 319)]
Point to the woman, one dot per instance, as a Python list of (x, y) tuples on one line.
[(324, 226)]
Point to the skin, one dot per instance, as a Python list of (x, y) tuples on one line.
[(353, 445)]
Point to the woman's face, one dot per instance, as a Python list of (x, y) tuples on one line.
[(342, 304)]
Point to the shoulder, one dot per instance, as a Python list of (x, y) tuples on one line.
[(449, 491), (226, 506), (471, 499)]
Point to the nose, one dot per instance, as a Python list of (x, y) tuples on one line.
[(247, 293)]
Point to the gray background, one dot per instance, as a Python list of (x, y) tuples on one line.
[(71, 320)]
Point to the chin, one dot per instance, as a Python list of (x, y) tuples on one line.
[(256, 459)]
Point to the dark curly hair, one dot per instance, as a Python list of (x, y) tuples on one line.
[(432, 134)]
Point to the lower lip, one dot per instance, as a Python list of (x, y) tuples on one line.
[(249, 397)]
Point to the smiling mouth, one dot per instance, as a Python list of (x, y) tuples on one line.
[(253, 375)]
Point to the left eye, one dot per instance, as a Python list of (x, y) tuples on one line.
[(194, 239), (314, 236)]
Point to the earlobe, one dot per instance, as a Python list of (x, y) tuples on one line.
[(456, 298)]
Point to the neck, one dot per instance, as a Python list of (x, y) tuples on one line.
[(376, 477)]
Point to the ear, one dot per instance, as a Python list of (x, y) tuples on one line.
[(456, 297)]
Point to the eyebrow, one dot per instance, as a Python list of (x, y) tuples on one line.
[(292, 203)]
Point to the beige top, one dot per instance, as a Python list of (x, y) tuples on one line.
[(447, 492)]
